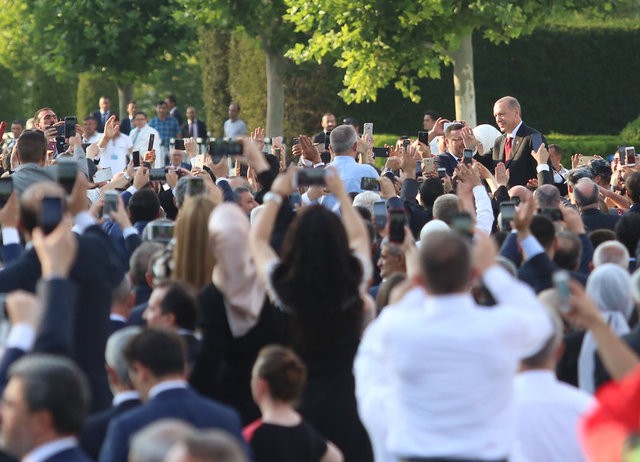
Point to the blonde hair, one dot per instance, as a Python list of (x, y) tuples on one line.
[(192, 258)]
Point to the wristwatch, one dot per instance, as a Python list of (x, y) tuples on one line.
[(270, 196)]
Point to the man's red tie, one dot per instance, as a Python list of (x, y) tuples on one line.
[(507, 149)]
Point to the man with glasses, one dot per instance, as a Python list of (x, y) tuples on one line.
[(140, 135), (457, 138)]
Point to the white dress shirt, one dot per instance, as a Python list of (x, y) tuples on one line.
[(114, 155), (434, 374), (234, 128), (351, 173), (548, 412), (140, 141), (46, 451)]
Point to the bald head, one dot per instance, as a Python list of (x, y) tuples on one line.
[(510, 102), (585, 193), (520, 191), (547, 196)]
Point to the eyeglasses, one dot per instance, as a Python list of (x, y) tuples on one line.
[(457, 140)]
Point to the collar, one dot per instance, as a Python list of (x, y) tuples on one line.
[(515, 130), (453, 157), (537, 376), (123, 396), (47, 450), (117, 317), (344, 158), (165, 386)]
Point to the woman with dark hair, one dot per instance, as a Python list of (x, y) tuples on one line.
[(320, 281)]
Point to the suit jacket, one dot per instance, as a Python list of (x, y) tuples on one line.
[(521, 165), (69, 455), (601, 375), (178, 403), (96, 273), (175, 113), (418, 215), (594, 219), (538, 272), (125, 126), (202, 129), (447, 161), (98, 116), (95, 427)]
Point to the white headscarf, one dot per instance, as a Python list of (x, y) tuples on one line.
[(609, 286)]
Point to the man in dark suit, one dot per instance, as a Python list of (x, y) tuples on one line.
[(44, 406), (156, 361), (193, 127), (95, 271), (587, 198), (455, 146), (172, 105), (515, 145), (125, 397), (328, 124), (103, 114), (126, 125)]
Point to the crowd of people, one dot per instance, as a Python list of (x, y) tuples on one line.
[(259, 300)]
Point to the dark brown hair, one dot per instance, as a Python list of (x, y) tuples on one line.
[(283, 370)]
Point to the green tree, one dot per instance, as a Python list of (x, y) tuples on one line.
[(262, 21), (379, 43), (122, 39)]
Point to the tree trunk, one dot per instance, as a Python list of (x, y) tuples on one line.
[(276, 67), (463, 82), (125, 94)]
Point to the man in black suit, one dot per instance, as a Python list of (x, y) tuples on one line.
[(156, 361), (125, 397), (172, 105), (515, 145), (456, 140), (44, 406), (96, 272), (193, 127), (586, 196), (126, 125), (103, 114), (328, 124)]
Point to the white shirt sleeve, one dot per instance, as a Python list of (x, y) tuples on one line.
[(10, 236), (484, 211)]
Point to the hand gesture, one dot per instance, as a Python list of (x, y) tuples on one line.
[(572, 220), (150, 156), (191, 146), (501, 174), (468, 176), (542, 155), (283, 184), (438, 128), (111, 128), (468, 138), (308, 151), (575, 160), (120, 215), (409, 160), (141, 178), (393, 163), (24, 308), (258, 137), (387, 190), (78, 201), (523, 216), (57, 250)]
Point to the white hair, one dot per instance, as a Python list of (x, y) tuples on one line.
[(611, 252), (366, 199)]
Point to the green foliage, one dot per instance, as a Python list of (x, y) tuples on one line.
[(380, 43), (214, 58), (631, 133), (59, 94), (90, 88)]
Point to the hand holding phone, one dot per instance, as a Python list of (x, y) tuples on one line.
[(309, 177)]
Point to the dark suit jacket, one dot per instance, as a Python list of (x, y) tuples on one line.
[(418, 215), (98, 116), (447, 161), (594, 219), (69, 455), (538, 272), (96, 273), (177, 115), (125, 125), (521, 165), (95, 427), (202, 129), (183, 404)]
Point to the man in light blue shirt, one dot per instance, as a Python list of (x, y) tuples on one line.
[(344, 144)]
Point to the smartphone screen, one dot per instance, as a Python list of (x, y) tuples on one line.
[(369, 184), (195, 186), (630, 152), (380, 214), (428, 163), (157, 174), (468, 156), (70, 126), (368, 129), (161, 232), (536, 141), (67, 172), (295, 200), (110, 203), (6, 188), (442, 172), (423, 137), (561, 284), (179, 145), (310, 177), (397, 221), (462, 224), (50, 214), (136, 158), (381, 152), (152, 139), (508, 211)]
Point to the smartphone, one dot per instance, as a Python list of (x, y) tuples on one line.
[(516, 200), (152, 139), (467, 157), (561, 283), (309, 177), (622, 154), (277, 141), (369, 184), (295, 141), (157, 174), (397, 222), (179, 145), (406, 143), (60, 130), (423, 137), (50, 214), (380, 214), (195, 186), (507, 211), (442, 172), (67, 173), (428, 164), (110, 203), (6, 188), (136, 158), (70, 126), (418, 167), (220, 148), (295, 200), (61, 145), (381, 152), (536, 141), (160, 231), (552, 214), (630, 154), (102, 175), (368, 129), (462, 224)]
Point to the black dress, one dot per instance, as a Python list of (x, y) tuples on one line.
[(277, 443)]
